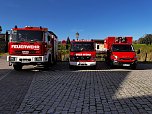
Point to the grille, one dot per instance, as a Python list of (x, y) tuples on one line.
[(82, 57), (126, 58), (25, 59), (30, 52)]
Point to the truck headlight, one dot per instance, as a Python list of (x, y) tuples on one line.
[(72, 58), (135, 57), (12, 59), (114, 57), (93, 58)]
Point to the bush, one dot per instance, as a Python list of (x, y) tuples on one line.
[(145, 52)]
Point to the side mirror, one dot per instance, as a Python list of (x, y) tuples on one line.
[(108, 51), (138, 51)]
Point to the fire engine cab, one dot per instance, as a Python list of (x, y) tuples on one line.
[(120, 52), (82, 53), (31, 46)]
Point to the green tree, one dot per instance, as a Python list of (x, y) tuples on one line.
[(147, 39), (63, 52), (141, 40), (0, 29), (68, 43), (68, 40)]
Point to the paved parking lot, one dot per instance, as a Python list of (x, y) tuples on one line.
[(78, 91)]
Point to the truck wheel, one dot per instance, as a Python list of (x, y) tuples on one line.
[(71, 66), (133, 67), (111, 65), (46, 66), (94, 67), (17, 67), (55, 62), (49, 61)]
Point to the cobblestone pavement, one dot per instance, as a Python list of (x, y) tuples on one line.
[(13, 87), (78, 91), (4, 68)]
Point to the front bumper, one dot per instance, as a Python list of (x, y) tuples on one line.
[(26, 59), (124, 63), (82, 63)]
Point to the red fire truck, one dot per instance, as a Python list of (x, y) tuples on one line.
[(82, 53), (120, 52), (31, 46)]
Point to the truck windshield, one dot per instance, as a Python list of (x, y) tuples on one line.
[(122, 48), (82, 46), (26, 35)]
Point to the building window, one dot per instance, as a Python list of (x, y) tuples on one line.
[(97, 46)]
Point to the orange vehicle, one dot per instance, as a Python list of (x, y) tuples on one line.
[(120, 52), (31, 46)]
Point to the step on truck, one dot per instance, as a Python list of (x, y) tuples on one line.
[(82, 53), (120, 52), (31, 46)]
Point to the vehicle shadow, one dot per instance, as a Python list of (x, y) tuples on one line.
[(100, 91), (64, 66), (13, 88), (104, 90)]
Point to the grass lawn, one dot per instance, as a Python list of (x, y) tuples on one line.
[(3, 53), (138, 46), (145, 53)]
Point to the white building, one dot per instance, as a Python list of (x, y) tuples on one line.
[(99, 46)]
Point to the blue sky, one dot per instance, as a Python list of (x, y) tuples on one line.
[(91, 18)]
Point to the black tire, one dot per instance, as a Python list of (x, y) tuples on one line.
[(111, 65), (93, 67), (71, 66), (55, 61), (133, 67), (50, 61), (46, 66), (17, 67)]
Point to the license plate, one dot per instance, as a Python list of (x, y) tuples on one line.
[(126, 64), (82, 63), (25, 61), (25, 52)]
